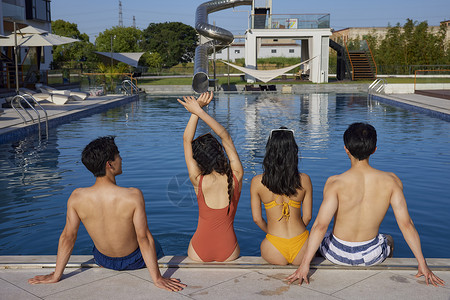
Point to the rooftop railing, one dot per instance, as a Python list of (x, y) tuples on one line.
[(287, 21)]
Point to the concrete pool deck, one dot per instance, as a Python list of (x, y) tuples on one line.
[(13, 128), (245, 278)]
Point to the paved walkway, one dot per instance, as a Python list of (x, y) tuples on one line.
[(246, 278), (12, 126), (437, 107)]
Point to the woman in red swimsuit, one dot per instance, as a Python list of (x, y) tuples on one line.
[(217, 182)]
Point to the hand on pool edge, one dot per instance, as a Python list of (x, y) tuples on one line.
[(430, 277), (300, 274), (169, 284), (49, 278)]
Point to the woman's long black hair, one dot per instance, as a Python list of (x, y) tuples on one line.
[(281, 175), (210, 156)]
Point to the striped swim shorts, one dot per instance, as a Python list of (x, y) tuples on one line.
[(366, 253)]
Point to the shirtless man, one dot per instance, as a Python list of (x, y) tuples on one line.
[(358, 200), (114, 217)]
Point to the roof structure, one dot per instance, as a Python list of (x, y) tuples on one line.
[(130, 58)]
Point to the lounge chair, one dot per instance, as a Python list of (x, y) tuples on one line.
[(54, 98), (74, 95)]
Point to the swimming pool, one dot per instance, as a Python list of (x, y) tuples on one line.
[(37, 178)]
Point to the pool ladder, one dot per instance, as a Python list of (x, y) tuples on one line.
[(377, 86), (18, 99), (129, 87)]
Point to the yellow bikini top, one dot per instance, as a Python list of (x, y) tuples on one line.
[(285, 211)]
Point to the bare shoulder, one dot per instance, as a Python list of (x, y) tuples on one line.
[(334, 180), (133, 193), (256, 182), (78, 194), (305, 180), (394, 179), (257, 179)]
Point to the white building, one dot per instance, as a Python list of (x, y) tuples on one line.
[(24, 13), (269, 48)]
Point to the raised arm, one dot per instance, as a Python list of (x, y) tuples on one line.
[(147, 247), (188, 137), (326, 212), (65, 245), (192, 105), (410, 233), (256, 204)]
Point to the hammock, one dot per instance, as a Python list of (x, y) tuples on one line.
[(266, 75)]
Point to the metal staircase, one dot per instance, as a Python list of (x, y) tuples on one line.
[(362, 69)]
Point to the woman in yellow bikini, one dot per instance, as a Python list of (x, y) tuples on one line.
[(287, 197)]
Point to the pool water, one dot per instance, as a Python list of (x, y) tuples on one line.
[(36, 178)]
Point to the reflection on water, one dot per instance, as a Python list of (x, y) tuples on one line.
[(37, 178)]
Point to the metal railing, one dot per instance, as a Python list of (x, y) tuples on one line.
[(18, 100), (129, 87), (377, 86), (352, 71), (289, 21)]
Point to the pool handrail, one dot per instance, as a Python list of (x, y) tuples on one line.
[(132, 87), (18, 99), (377, 86)]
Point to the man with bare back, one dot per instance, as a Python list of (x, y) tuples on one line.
[(358, 199), (114, 217)]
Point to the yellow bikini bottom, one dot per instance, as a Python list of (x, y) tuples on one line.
[(289, 248)]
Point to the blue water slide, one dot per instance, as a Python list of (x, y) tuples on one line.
[(220, 38)]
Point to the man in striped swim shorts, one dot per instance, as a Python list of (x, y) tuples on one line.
[(358, 199), (366, 253)]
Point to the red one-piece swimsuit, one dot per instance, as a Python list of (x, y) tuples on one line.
[(214, 239)]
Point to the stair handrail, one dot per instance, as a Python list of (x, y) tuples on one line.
[(132, 86), (350, 59), (43, 109), (373, 60)]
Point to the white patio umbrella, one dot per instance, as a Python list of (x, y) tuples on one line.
[(35, 37), (32, 37)]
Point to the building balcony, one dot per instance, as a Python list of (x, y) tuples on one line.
[(287, 21)]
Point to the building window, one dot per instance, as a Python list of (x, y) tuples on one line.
[(274, 51), (275, 40), (237, 51), (38, 10), (291, 51)]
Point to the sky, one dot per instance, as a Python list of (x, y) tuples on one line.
[(95, 16)]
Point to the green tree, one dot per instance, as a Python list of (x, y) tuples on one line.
[(123, 39), (70, 55), (152, 60), (119, 39), (174, 41)]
